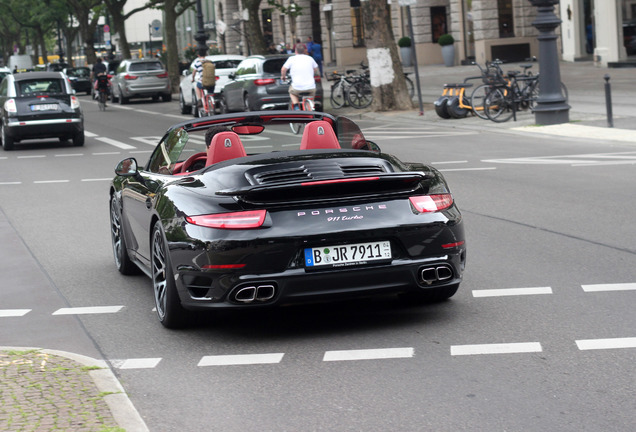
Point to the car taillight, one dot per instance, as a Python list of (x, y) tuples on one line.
[(431, 203), (10, 107), (130, 77), (264, 81), (163, 75), (238, 220), (74, 102)]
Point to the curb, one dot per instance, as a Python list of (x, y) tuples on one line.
[(124, 412)]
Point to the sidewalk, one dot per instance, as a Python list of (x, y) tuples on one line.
[(586, 87), (45, 390)]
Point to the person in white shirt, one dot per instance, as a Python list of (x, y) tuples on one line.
[(302, 69)]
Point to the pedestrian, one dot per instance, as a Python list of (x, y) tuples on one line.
[(302, 69), (309, 44), (316, 54)]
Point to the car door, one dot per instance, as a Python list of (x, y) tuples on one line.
[(234, 90)]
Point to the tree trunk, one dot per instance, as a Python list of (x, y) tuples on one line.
[(253, 31), (387, 76), (172, 52), (120, 29)]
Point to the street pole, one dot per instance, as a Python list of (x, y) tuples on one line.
[(551, 107), (201, 37)]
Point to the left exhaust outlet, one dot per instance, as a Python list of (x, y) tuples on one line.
[(254, 294)]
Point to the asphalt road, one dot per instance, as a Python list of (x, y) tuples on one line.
[(531, 341)]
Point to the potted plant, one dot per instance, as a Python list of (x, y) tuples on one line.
[(446, 41), (405, 50)]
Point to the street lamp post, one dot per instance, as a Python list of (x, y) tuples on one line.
[(551, 107), (201, 37)]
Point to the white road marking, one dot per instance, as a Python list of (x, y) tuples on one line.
[(180, 117), (449, 162), (574, 160), (150, 140), (368, 354), (468, 169), (145, 111), (88, 310), (244, 359), (597, 344), (10, 183), (503, 348), (69, 155), (106, 153), (511, 292), (90, 134), (31, 157), (50, 181), (96, 179), (13, 312), (138, 363), (609, 287), (115, 143)]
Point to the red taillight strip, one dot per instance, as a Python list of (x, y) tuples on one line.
[(347, 180), (224, 266), (431, 203), (237, 220), (453, 245)]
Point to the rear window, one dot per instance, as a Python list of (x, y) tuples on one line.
[(273, 66), (146, 66), (79, 73), (40, 86), (226, 64)]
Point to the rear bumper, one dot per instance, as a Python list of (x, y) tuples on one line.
[(44, 128)]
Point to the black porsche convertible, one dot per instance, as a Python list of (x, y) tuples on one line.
[(265, 217)]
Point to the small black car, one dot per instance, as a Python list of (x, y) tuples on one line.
[(39, 105), (80, 78)]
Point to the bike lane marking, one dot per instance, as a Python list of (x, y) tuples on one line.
[(499, 348), (369, 354), (242, 359)]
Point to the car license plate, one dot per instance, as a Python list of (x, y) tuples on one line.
[(44, 107), (347, 255)]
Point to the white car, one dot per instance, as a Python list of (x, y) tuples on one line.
[(224, 64)]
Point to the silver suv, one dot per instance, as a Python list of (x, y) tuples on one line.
[(140, 78)]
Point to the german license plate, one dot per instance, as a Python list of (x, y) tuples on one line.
[(347, 255), (44, 107)]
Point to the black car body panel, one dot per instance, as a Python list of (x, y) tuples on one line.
[(80, 78), (256, 85), (39, 105), (322, 212)]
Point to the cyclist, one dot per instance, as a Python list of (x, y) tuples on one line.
[(302, 70), (197, 75), (102, 83)]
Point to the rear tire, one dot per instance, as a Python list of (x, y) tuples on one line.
[(78, 139), (222, 105), (169, 310), (360, 95), (7, 141), (246, 103), (477, 100), (182, 105)]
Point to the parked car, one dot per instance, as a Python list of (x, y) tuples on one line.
[(80, 78), (39, 105), (56, 67), (224, 64), (256, 86), (4, 71), (256, 224), (140, 78)]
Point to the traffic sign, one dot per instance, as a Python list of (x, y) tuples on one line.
[(155, 28)]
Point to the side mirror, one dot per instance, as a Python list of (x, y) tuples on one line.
[(185, 72), (232, 76), (127, 168)]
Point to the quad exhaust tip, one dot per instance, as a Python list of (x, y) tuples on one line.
[(432, 275), (254, 294)]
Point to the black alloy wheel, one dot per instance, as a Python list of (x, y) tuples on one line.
[(7, 141), (123, 262)]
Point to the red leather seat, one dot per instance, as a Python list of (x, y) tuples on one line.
[(224, 146), (319, 135)]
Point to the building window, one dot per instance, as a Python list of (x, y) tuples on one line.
[(506, 23), (357, 29), (438, 22)]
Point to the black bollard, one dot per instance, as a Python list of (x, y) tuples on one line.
[(608, 101)]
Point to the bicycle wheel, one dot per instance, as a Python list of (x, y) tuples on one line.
[(338, 98), (477, 100), (295, 127), (308, 104), (409, 86), (360, 95), (498, 105), (101, 101)]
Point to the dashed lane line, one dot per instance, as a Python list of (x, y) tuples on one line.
[(600, 344), (368, 354), (88, 310), (13, 312), (499, 348), (511, 292), (243, 359), (609, 287)]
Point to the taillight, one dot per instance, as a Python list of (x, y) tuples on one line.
[(130, 77), (163, 75), (74, 102), (264, 81), (238, 220), (10, 107), (431, 203), (317, 79)]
